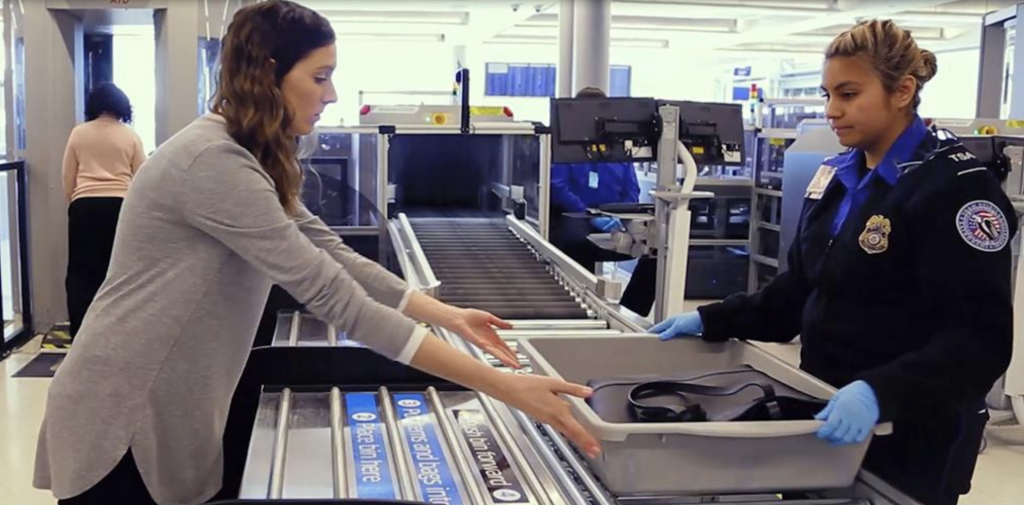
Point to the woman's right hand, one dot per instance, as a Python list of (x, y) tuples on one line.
[(537, 397)]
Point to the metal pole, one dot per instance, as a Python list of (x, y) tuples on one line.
[(544, 191), (407, 492), (332, 335), (338, 444), (383, 146), (280, 446), (566, 20), (452, 438), (667, 157), (591, 42), (293, 332)]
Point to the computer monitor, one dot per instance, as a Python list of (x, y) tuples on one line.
[(597, 129)]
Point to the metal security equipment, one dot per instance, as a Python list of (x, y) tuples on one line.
[(642, 129)]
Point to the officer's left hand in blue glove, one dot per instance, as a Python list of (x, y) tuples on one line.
[(682, 325), (850, 416), (606, 224)]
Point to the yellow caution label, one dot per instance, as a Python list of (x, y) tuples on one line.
[(487, 111), (1015, 123), (777, 142), (698, 150)]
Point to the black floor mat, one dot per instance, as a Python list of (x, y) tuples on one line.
[(44, 365)]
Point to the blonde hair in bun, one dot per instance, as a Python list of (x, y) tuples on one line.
[(890, 50)]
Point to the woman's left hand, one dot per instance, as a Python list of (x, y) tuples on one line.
[(478, 328)]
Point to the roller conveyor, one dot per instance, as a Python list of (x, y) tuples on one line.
[(480, 263), (432, 443), (330, 440)]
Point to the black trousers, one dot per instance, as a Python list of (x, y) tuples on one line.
[(932, 460), (569, 235), (91, 226), (639, 294), (122, 485)]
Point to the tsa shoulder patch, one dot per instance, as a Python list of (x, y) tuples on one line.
[(983, 226), (819, 184)]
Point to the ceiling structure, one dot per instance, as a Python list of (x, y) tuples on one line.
[(777, 26)]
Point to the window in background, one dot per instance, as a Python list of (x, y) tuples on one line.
[(398, 68), (619, 83), (135, 73), (1011, 43), (954, 90), (208, 56), (539, 80), (8, 239), (520, 79)]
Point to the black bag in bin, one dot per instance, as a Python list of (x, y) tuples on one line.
[(739, 394)]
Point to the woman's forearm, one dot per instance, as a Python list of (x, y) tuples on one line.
[(436, 357), (429, 310)]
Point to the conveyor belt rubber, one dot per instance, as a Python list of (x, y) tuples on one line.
[(481, 264)]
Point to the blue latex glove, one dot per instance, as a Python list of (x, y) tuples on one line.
[(606, 224), (683, 325), (850, 415)]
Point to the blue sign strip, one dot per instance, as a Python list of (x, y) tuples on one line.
[(431, 468), (372, 471)]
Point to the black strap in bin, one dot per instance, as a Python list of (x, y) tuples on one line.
[(657, 400)]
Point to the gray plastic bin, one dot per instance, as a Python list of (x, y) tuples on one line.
[(696, 458)]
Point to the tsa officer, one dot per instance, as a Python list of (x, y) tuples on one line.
[(899, 276)]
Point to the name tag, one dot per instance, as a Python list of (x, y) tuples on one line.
[(594, 180), (819, 184)]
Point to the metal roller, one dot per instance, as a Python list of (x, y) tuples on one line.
[(492, 274), (538, 313), (496, 265), (530, 305), (510, 297), (486, 290), (500, 276), (482, 264)]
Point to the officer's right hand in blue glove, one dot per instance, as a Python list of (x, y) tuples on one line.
[(683, 325), (606, 224), (850, 415)]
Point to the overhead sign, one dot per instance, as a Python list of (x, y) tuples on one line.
[(741, 71)]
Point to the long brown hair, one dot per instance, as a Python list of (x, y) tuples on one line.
[(890, 50), (262, 44)]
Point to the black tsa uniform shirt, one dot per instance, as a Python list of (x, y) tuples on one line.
[(899, 276)]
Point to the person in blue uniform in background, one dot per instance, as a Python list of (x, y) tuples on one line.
[(576, 187), (899, 277)]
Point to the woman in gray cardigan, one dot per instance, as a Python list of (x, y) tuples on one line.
[(137, 411)]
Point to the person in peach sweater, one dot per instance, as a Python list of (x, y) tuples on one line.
[(102, 156)]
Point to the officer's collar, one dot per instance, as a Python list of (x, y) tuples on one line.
[(894, 163)]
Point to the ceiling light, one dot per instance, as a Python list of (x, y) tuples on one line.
[(388, 37), (773, 49), (643, 43), (424, 18), (551, 40), (938, 17)]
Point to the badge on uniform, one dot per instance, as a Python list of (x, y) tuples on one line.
[(875, 238), (983, 226), (819, 184)]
